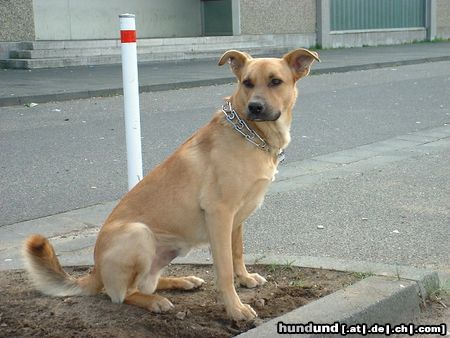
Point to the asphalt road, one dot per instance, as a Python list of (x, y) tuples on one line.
[(66, 155)]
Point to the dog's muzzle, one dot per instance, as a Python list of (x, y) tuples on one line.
[(259, 111)]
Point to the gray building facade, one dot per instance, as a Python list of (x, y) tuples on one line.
[(213, 24)]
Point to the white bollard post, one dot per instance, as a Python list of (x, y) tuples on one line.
[(131, 98)]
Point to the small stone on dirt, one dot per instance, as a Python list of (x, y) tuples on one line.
[(181, 315), (70, 301), (260, 302)]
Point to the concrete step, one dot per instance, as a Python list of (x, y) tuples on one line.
[(62, 53), (21, 63), (142, 49), (77, 44), (205, 40), (52, 54)]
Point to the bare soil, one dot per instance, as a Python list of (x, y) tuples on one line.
[(198, 313)]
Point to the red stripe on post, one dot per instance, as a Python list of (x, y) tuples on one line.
[(127, 36)]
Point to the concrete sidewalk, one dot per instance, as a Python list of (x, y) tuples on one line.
[(45, 85)]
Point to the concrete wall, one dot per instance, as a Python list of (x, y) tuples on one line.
[(98, 19), (443, 19), (16, 20), (277, 16)]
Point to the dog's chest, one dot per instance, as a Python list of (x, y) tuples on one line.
[(254, 197)]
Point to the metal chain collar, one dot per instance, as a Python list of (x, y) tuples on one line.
[(250, 135), (241, 127)]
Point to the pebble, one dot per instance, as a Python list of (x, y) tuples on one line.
[(181, 315), (260, 302), (70, 301), (320, 227)]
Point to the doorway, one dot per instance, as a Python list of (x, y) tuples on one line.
[(217, 17)]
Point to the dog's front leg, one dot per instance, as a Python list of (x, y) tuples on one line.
[(219, 224), (249, 280)]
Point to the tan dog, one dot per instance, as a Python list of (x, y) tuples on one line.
[(201, 194)]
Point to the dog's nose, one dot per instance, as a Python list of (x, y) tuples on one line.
[(255, 107)]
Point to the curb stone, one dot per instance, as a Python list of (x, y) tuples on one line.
[(374, 300)]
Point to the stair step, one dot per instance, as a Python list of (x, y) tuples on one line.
[(61, 53), (52, 54), (112, 43), (35, 63), (77, 52)]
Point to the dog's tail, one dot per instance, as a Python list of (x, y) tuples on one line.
[(47, 274)]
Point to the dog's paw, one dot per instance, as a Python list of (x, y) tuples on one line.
[(192, 282), (252, 280), (242, 312), (160, 304)]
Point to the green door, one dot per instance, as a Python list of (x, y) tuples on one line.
[(217, 17)]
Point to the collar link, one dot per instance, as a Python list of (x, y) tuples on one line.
[(249, 134)]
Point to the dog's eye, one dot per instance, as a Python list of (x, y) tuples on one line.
[(248, 84), (275, 82)]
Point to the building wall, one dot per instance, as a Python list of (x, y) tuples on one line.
[(360, 39), (443, 19), (278, 16), (98, 19), (16, 20)]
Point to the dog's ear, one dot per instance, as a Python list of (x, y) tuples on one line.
[(300, 61), (236, 59)]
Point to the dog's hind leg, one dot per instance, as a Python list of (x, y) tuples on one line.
[(128, 268), (161, 259), (146, 284), (181, 283), (153, 303)]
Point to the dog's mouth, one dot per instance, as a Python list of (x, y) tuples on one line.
[(264, 117)]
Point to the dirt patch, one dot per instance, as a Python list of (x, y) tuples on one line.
[(25, 312)]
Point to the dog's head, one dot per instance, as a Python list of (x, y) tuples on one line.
[(266, 86)]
